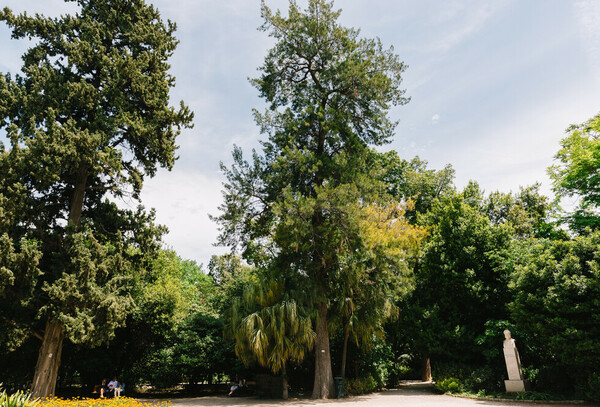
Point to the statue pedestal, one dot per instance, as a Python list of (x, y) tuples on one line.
[(515, 386)]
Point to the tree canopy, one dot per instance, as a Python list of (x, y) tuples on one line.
[(577, 172)]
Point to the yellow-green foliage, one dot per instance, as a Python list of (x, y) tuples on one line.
[(386, 231), (18, 399)]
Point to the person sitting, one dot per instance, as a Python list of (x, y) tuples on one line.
[(113, 388), (103, 389), (236, 384)]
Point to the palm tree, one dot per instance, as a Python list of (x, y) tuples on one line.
[(270, 329)]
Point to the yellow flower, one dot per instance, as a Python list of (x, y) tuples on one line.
[(87, 402)]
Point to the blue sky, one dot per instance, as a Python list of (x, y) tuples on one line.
[(493, 86)]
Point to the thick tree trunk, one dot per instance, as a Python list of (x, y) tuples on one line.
[(46, 369), (426, 370), (323, 385), (344, 351), (285, 394)]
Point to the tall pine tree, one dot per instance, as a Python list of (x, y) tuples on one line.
[(299, 207), (87, 116)]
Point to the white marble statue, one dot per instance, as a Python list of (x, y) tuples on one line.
[(515, 382)]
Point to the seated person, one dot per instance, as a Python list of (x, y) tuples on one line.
[(103, 389), (236, 384), (113, 388)]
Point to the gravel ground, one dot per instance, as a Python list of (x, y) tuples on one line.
[(406, 396)]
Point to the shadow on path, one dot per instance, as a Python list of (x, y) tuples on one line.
[(404, 396)]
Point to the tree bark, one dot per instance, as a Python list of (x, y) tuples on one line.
[(285, 394), (426, 370), (46, 369), (78, 195), (344, 352), (323, 385)]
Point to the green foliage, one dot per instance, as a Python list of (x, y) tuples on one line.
[(270, 328), (535, 395), (176, 333), (527, 212), (487, 345), (91, 285), (556, 286), (577, 172), (18, 399), (361, 385), (471, 378), (449, 385), (461, 281), (230, 275), (412, 180), (374, 362), (296, 209), (18, 272), (592, 388), (87, 116)]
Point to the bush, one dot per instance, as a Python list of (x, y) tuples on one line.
[(362, 385), (472, 378), (535, 395), (592, 392), (450, 385)]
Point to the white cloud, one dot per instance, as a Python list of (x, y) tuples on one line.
[(48, 8), (518, 151), (183, 201), (588, 14), (435, 118)]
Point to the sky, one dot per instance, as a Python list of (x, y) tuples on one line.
[(493, 86)]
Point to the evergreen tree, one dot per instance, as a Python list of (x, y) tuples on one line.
[(298, 208), (87, 116)]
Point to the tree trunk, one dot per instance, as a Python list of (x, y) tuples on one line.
[(78, 195), (344, 351), (46, 368), (426, 370), (323, 385), (285, 383)]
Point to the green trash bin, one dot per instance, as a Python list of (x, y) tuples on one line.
[(339, 386)]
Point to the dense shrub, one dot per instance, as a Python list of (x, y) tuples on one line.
[(362, 385), (450, 385), (471, 378), (592, 390)]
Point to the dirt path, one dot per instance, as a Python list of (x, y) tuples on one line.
[(409, 397)]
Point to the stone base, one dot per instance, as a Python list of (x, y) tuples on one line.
[(515, 386)]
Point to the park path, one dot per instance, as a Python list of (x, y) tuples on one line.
[(409, 397)]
